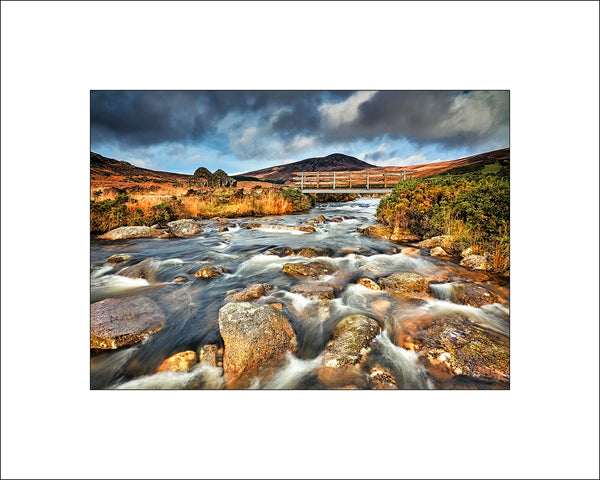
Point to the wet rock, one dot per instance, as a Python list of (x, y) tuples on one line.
[(319, 219), (438, 252), (308, 270), (380, 307), (313, 252), (119, 257), (410, 251), (130, 232), (377, 231), (368, 283), (255, 336), (250, 293), (119, 322), (432, 242), (180, 362), (320, 291), (356, 251), (143, 269), (166, 235), (336, 220), (380, 378), (467, 293), (409, 285), (223, 229), (181, 279), (455, 346), (278, 306), (477, 262), (280, 251), (208, 355), (210, 272), (306, 228), (184, 228), (349, 347)]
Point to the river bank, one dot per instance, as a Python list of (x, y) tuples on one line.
[(259, 303)]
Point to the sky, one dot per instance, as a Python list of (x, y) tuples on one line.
[(240, 131)]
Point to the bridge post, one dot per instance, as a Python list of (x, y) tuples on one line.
[(404, 172), (317, 179), (350, 180), (302, 180), (384, 181), (367, 180), (334, 180)]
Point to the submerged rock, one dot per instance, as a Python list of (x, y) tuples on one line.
[(468, 293), (143, 269), (410, 251), (180, 362), (380, 378), (185, 227), (477, 262), (250, 293), (309, 270), (130, 232), (313, 252), (455, 346), (117, 258), (409, 285), (210, 271), (255, 336), (438, 252), (280, 251), (320, 291), (349, 347), (119, 322)]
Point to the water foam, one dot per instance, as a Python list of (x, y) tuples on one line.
[(200, 376), (292, 373)]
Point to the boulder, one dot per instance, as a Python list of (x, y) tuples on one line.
[(377, 231), (184, 228), (455, 346), (345, 353), (308, 270), (223, 229), (477, 262), (210, 272), (380, 378), (438, 252), (208, 355), (313, 252), (432, 242), (119, 322), (410, 251), (130, 232), (467, 293), (143, 269), (408, 285), (466, 252), (368, 283), (250, 293), (180, 362), (255, 337), (280, 251), (336, 219), (320, 291), (119, 257), (404, 237)]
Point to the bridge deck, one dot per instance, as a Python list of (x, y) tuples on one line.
[(361, 181), (346, 190)]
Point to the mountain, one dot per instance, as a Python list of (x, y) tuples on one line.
[(334, 162)]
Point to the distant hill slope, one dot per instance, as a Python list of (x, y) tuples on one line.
[(334, 162)]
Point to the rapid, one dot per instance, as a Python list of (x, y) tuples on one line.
[(192, 307)]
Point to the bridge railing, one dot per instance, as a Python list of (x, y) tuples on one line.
[(363, 179)]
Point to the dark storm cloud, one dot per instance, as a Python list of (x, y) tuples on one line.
[(253, 124)]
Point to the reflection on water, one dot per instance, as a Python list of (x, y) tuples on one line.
[(191, 305)]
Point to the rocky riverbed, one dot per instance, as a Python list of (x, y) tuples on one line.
[(324, 300)]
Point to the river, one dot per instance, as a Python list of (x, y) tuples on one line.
[(192, 307)]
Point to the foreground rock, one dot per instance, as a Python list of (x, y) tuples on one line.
[(250, 293), (119, 322), (130, 232), (255, 337), (408, 285), (345, 353), (184, 228), (180, 362), (380, 378), (455, 346), (144, 269), (209, 355), (210, 271), (309, 270), (320, 291), (118, 258), (477, 262), (368, 283)]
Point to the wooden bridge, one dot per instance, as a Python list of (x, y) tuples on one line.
[(361, 181)]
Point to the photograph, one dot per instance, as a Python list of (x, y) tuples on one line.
[(300, 240)]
